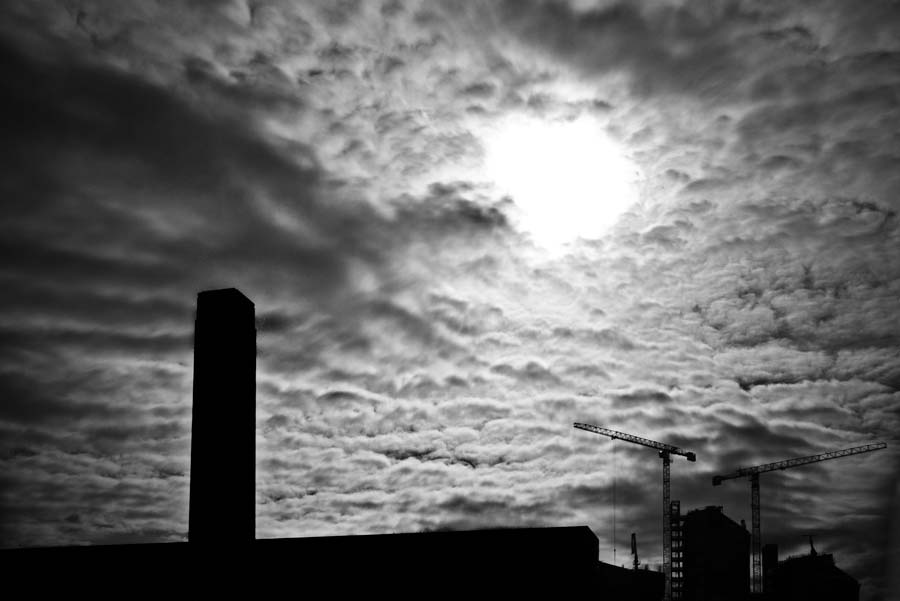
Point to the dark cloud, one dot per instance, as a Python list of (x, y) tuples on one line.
[(121, 196), (628, 493), (28, 402), (665, 48), (608, 337), (642, 396), (531, 372), (479, 90), (260, 84), (120, 132)]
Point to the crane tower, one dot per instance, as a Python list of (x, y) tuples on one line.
[(665, 452), (753, 474)]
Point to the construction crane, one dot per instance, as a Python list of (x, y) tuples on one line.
[(753, 474), (665, 451)]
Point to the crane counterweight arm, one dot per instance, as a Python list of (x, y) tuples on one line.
[(637, 440), (788, 463)]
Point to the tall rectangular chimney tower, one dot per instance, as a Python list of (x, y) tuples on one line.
[(223, 433)]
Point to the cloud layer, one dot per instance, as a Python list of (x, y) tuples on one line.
[(420, 360)]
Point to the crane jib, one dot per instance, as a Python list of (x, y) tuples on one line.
[(614, 434), (672, 585), (798, 461), (753, 474)]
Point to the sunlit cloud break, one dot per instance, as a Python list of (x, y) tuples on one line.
[(568, 178)]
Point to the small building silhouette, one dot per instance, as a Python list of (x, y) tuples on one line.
[(769, 565), (716, 553), (812, 577), (616, 582)]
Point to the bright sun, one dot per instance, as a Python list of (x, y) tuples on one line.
[(569, 179)]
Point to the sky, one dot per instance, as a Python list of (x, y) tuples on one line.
[(465, 226)]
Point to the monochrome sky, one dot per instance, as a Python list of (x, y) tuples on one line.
[(421, 355)]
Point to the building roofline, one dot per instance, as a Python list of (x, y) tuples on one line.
[(233, 293)]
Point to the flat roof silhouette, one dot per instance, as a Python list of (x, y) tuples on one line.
[(561, 560)]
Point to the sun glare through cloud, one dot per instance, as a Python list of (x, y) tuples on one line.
[(569, 179)]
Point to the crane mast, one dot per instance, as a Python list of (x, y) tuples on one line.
[(752, 473), (665, 453)]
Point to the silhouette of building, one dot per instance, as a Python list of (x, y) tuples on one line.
[(716, 553), (528, 562), (615, 582), (769, 565), (223, 430), (223, 557), (812, 577)]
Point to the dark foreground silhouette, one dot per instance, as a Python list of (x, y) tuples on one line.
[(223, 558), (550, 561)]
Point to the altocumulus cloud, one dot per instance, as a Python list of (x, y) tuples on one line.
[(420, 362)]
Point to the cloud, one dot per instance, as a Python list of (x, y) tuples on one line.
[(660, 48), (420, 362), (126, 198)]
